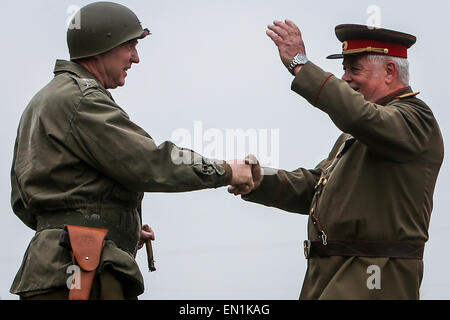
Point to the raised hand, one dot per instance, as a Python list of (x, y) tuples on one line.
[(288, 38)]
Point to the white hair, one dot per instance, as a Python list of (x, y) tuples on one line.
[(402, 65)]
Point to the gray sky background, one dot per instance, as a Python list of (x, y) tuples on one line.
[(211, 61)]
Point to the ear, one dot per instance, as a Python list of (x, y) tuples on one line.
[(391, 70)]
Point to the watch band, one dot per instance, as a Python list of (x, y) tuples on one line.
[(299, 59)]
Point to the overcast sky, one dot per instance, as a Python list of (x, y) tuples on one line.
[(210, 68)]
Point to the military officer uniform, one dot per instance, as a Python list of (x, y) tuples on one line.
[(369, 202), (80, 160)]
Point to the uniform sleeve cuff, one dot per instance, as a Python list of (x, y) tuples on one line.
[(225, 178), (310, 81)]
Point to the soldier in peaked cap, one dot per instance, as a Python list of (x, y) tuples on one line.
[(81, 168), (369, 202)]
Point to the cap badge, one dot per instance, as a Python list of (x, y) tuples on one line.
[(344, 45)]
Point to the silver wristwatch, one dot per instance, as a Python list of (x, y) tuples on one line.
[(299, 59)]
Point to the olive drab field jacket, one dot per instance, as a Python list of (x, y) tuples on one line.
[(377, 185), (79, 159)]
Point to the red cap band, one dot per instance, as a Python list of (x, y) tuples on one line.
[(393, 49)]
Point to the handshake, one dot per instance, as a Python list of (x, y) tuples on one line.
[(246, 176)]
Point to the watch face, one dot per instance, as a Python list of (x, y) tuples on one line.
[(301, 58)]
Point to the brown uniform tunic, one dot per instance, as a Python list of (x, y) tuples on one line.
[(380, 187)]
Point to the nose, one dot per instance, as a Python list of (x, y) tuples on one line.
[(135, 56), (346, 76)]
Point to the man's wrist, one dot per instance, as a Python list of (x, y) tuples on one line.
[(300, 59), (227, 176), (297, 69)]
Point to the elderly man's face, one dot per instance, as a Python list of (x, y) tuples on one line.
[(117, 62), (365, 77)]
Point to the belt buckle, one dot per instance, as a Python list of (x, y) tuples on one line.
[(307, 248)]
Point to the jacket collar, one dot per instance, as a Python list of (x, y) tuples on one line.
[(74, 68), (392, 96), (78, 70)]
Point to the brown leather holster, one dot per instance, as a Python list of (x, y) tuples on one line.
[(87, 244)]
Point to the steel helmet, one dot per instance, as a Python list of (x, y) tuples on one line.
[(100, 27)]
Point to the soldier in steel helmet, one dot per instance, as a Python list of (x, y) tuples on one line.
[(81, 168), (370, 201)]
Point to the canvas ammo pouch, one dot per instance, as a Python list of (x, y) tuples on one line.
[(86, 245)]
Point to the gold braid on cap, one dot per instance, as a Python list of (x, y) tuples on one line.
[(368, 49)]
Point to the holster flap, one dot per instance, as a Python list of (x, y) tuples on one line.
[(87, 244)]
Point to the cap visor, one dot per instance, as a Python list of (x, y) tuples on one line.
[(336, 56)]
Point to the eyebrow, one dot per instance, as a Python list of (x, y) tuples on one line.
[(353, 64)]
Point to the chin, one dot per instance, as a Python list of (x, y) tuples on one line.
[(118, 84)]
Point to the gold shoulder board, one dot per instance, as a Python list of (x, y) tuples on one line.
[(408, 95)]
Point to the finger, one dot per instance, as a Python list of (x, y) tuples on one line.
[(240, 189), (251, 159), (148, 229), (236, 190), (256, 169), (250, 185), (283, 26), (140, 245), (276, 39), (246, 189), (147, 235), (232, 189), (293, 26), (278, 31), (257, 172)]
